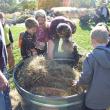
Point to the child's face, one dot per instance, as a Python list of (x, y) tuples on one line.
[(41, 20), (32, 30), (61, 34)]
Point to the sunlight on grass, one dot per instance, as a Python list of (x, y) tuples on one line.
[(16, 30), (82, 39)]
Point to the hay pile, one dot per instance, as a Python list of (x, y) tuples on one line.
[(46, 77)]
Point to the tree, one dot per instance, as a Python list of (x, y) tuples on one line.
[(28, 5), (47, 4)]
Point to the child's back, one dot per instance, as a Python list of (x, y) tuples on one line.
[(96, 71), (98, 63)]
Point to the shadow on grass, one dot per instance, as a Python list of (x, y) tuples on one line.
[(89, 26), (86, 26)]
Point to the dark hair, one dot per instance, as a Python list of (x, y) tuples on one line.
[(61, 19), (30, 22), (66, 28)]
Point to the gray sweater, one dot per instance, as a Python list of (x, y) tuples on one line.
[(96, 74)]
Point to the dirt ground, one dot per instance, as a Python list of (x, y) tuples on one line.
[(15, 100)]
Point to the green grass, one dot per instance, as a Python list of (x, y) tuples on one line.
[(16, 30), (82, 38)]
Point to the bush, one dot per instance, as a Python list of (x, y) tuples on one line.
[(21, 19)]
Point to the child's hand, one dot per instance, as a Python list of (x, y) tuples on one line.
[(3, 82), (74, 83), (34, 52), (77, 87)]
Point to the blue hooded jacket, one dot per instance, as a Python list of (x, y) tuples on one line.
[(96, 74)]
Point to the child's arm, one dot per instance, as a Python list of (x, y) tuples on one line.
[(20, 40), (3, 82), (88, 71), (10, 36), (24, 50), (50, 49)]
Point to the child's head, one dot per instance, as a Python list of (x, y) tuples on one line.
[(99, 36), (64, 30), (41, 16), (31, 25), (2, 18)]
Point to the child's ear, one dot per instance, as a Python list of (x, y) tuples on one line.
[(93, 42)]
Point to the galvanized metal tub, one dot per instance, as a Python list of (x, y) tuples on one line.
[(31, 101)]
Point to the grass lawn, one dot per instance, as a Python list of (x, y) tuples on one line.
[(82, 38), (16, 30)]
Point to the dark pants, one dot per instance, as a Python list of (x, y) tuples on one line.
[(6, 93), (86, 108), (7, 99)]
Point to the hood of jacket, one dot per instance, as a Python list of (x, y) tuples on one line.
[(102, 56)]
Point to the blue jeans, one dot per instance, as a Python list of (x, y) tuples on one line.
[(2, 101), (6, 93), (7, 99)]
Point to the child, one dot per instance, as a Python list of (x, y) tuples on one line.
[(96, 72), (42, 34), (9, 41), (63, 47), (28, 39)]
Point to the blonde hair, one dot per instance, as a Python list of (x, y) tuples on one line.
[(100, 34), (104, 25)]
